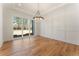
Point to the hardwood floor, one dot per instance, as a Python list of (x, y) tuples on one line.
[(39, 46)]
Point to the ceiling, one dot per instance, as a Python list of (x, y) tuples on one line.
[(31, 8)]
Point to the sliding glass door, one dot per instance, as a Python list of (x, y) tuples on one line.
[(27, 27), (22, 27)]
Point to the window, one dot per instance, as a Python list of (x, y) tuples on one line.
[(21, 27)]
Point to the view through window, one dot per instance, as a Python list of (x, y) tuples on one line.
[(21, 26)]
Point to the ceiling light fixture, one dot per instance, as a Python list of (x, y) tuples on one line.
[(37, 15)]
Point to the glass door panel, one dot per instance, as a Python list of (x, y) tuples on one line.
[(27, 27), (17, 27), (22, 27)]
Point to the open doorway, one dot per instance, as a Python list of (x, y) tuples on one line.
[(21, 27)]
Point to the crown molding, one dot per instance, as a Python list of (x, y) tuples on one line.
[(52, 9)]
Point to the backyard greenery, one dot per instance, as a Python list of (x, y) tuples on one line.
[(21, 24)]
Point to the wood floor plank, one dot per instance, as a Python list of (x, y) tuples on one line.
[(39, 46)]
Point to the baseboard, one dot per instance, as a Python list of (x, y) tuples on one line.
[(58, 40)]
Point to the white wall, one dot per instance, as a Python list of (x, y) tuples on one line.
[(37, 27), (62, 24), (1, 24), (7, 22)]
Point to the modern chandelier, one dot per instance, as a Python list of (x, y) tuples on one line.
[(38, 15)]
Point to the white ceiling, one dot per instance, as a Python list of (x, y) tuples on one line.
[(31, 8)]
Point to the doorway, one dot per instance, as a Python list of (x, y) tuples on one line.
[(22, 27)]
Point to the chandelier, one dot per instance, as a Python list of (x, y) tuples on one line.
[(38, 15)]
